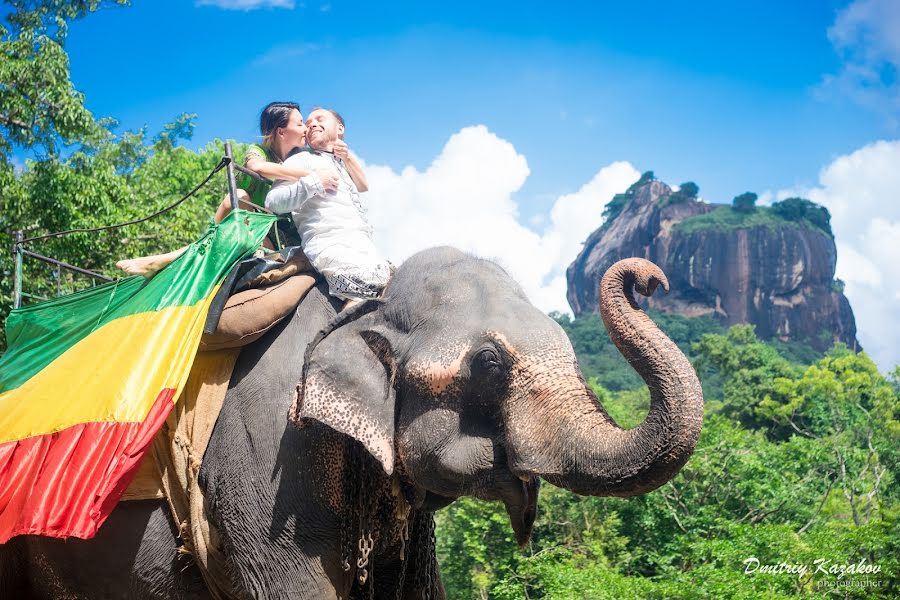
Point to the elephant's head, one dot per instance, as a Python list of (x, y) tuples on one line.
[(459, 380)]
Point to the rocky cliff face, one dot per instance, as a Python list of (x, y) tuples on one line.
[(777, 275)]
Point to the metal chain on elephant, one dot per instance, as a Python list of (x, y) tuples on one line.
[(348, 532), (432, 559), (365, 573), (357, 533), (404, 556), (425, 557), (357, 540)]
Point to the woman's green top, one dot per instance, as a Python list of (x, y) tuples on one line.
[(256, 189)]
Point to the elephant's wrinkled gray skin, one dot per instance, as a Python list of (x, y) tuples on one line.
[(455, 385)]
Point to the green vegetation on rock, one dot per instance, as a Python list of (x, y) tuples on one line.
[(727, 218), (618, 203)]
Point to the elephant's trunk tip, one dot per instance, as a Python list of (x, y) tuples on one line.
[(643, 274)]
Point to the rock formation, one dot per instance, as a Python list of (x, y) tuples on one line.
[(753, 267)]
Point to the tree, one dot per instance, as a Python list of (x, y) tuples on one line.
[(646, 177), (615, 207), (39, 106), (844, 401), (801, 209), (745, 202), (687, 192), (81, 173), (689, 189), (747, 367)]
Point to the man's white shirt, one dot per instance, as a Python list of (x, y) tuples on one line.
[(333, 227)]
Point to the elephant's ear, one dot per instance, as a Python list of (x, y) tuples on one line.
[(348, 385)]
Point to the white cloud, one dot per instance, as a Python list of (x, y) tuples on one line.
[(766, 198), (860, 191), (246, 5), (866, 34), (465, 199), (855, 268)]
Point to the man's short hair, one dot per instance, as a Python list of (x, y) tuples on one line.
[(336, 114)]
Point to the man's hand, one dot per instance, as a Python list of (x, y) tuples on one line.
[(342, 153), (340, 149), (329, 180)]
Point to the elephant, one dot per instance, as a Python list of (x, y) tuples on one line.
[(451, 384)]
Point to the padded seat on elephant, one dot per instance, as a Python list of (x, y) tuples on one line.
[(248, 315)]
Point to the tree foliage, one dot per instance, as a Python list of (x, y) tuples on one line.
[(600, 360), (801, 209), (686, 192), (39, 106), (745, 202), (125, 177), (747, 366)]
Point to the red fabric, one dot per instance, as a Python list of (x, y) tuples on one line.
[(66, 483)]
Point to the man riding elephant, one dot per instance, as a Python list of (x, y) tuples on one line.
[(336, 234)]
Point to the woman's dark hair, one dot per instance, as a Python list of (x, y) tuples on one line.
[(273, 116)]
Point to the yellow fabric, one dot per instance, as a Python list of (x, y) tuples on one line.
[(95, 379)]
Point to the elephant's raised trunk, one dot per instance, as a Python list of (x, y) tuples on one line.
[(559, 431)]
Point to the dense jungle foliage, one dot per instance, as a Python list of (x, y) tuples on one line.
[(796, 468)]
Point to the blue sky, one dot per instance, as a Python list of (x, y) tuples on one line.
[(724, 94), (504, 128)]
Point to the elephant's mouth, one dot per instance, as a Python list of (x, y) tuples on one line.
[(521, 506)]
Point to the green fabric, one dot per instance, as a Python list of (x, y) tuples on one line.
[(256, 189), (38, 334)]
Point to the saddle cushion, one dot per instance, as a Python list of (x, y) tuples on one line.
[(248, 315)]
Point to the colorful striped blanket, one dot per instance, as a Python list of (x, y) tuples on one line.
[(88, 379)]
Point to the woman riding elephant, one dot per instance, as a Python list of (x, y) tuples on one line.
[(453, 384)]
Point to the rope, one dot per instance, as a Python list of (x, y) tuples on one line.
[(222, 164)]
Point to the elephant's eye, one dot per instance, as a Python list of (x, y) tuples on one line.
[(489, 376), (487, 360)]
